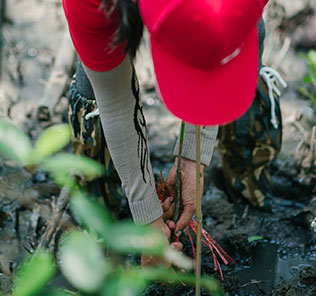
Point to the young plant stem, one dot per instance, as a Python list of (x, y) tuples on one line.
[(175, 217), (177, 199), (198, 215)]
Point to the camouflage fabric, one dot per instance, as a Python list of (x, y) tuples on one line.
[(88, 139), (247, 145)]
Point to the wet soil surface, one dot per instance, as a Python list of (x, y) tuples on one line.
[(281, 263)]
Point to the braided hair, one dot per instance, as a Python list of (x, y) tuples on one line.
[(130, 29)]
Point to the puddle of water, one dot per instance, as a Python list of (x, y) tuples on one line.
[(268, 269)]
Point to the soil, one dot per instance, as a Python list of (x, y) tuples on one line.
[(281, 263)]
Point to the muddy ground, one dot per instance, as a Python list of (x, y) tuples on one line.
[(283, 262)]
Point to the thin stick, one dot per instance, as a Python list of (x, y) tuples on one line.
[(177, 199), (175, 217), (198, 215), (312, 148), (57, 214)]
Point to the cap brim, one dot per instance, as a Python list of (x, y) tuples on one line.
[(208, 97)]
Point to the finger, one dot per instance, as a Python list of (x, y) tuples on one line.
[(184, 220), (177, 245), (171, 179), (169, 213), (167, 203), (171, 224)]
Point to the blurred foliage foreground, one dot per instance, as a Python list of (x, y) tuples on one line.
[(81, 257)]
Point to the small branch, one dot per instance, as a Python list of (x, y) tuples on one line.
[(252, 282), (245, 213), (312, 153), (58, 211), (198, 215), (175, 217)]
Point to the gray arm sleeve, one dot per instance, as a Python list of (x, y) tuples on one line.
[(124, 126), (208, 139)]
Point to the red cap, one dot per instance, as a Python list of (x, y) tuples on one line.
[(205, 54)]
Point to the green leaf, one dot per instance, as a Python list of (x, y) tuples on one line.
[(90, 213), (124, 284), (52, 140), (64, 180), (34, 274), (128, 237), (168, 275), (311, 55), (254, 238), (178, 259), (304, 91), (307, 79), (14, 143), (303, 55), (82, 261), (73, 164), (57, 292)]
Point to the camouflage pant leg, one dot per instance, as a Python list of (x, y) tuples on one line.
[(88, 140), (247, 145)]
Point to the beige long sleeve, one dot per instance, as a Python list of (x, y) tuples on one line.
[(208, 139), (124, 126)]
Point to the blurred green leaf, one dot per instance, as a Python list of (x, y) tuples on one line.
[(90, 213), (124, 284), (57, 292), (73, 164), (123, 237), (34, 274), (307, 79), (63, 179), (303, 55), (130, 238), (52, 140), (82, 261), (169, 275), (14, 143), (254, 238), (305, 92), (178, 259), (311, 55)]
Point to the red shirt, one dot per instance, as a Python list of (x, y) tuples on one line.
[(92, 33)]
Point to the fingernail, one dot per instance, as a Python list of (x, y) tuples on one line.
[(178, 233), (171, 198), (172, 247)]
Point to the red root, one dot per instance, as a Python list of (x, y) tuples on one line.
[(215, 248)]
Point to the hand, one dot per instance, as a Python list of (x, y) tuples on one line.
[(188, 192), (168, 207), (147, 260)]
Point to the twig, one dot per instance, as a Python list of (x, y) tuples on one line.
[(57, 214), (312, 154), (245, 213), (198, 215), (175, 217), (282, 54), (252, 282)]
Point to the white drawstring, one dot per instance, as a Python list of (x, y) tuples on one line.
[(270, 76), (92, 114)]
